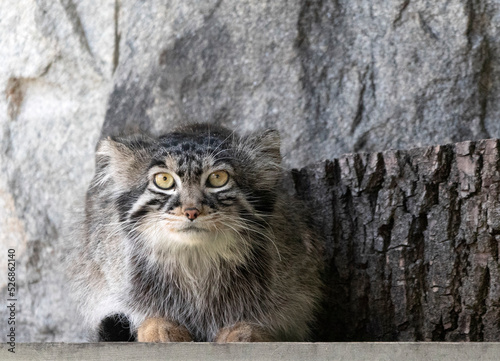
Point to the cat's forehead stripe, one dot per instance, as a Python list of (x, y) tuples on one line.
[(189, 142), (188, 156)]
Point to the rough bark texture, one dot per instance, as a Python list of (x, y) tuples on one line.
[(333, 76), (411, 242)]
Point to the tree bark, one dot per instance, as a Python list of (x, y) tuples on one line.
[(411, 243)]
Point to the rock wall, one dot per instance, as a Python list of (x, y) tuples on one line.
[(333, 76), (55, 78)]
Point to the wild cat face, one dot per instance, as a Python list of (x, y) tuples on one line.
[(192, 193), (197, 187)]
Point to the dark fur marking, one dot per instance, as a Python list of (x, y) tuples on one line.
[(139, 213), (157, 163), (173, 203), (263, 201), (126, 200), (156, 201), (124, 203), (181, 173), (226, 199), (115, 328), (210, 201)]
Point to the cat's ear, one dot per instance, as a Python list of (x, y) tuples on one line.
[(119, 160), (262, 152), (109, 149), (268, 143)]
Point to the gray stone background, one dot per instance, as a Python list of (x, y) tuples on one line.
[(332, 76)]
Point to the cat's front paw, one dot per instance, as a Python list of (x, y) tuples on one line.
[(242, 332), (158, 329)]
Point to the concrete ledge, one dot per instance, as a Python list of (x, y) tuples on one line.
[(367, 351)]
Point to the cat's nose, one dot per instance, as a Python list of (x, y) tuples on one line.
[(191, 213)]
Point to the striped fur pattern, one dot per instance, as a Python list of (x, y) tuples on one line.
[(248, 257)]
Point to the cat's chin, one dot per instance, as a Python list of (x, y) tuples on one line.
[(188, 235), (197, 236), (192, 229), (205, 246)]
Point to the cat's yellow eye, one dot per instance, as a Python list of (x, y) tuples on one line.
[(164, 180), (218, 179)]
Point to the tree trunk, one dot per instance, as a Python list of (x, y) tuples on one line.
[(411, 243)]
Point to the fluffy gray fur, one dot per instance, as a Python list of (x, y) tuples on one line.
[(252, 256)]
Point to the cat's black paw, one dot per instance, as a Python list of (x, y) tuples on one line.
[(115, 328)]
